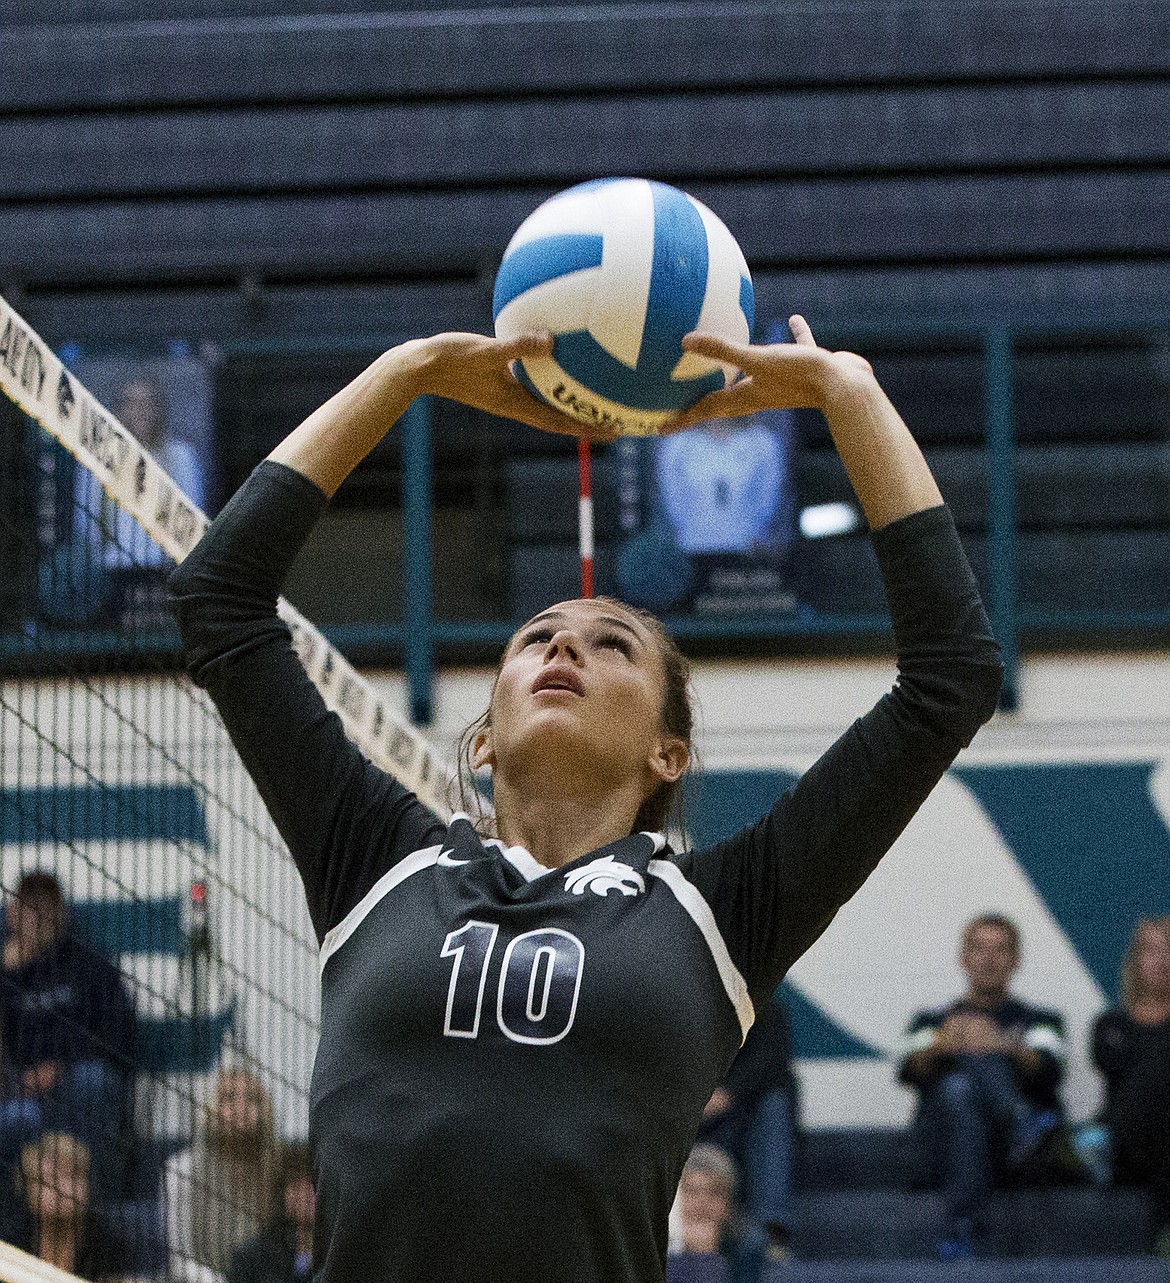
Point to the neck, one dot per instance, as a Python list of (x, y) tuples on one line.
[(1151, 1008), (988, 998), (558, 821)]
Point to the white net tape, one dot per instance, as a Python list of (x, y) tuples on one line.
[(34, 378)]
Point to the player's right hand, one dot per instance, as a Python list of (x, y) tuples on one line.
[(477, 371)]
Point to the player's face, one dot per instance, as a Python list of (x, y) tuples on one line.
[(584, 679)]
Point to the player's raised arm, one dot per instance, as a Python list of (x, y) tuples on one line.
[(775, 887), (469, 368), (884, 463)]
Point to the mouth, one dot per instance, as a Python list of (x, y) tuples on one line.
[(559, 678)]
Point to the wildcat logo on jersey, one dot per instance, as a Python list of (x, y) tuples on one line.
[(604, 875)]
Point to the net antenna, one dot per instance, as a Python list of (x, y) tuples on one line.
[(34, 378), (585, 514)]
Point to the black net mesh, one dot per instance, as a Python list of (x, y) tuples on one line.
[(161, 1016)]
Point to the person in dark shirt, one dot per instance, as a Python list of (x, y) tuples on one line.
[(283, 1252), (1131, 1048), (752, 1116), (67, 1034), (519, 1032), (988, 1068)]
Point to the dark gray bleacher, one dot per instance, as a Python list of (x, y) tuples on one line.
[(1094, 528), (857, 1221), (290, 170), (989, 154)]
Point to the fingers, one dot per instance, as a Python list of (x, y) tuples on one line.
[(801, 331), (524, 345), (516, 402), (727, 403), (718, 349)]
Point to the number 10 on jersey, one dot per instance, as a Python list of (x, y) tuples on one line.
[(540, 980)]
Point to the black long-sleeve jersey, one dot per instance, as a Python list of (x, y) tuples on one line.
[(513, 1059)]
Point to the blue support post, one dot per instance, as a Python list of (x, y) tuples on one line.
[(1002, 561), (416, 521)]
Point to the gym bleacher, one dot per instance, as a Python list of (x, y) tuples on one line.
[(294, 184)]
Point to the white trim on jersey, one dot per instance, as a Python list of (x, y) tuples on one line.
[(523, 859), (336, 936), (1046, 1038), (531, 868), (699, 911)]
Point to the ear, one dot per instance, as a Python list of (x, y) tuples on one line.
[(482, 752), (668, 759)]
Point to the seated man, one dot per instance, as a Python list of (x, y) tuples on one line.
[(67, 1031), (752, 1116), (987, 1068)]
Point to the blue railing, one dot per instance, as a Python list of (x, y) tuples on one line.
[(998, 341), (418, 635)]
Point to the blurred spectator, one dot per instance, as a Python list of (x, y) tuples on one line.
[(988, 1068), (142, 408), (283, 1253), (67, 1032), (1131, 1048), (751, 1115), (60, 1226), (220, 1191), (702, 1218), (110, 565)]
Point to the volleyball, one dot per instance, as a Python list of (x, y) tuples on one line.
[(619, 270)]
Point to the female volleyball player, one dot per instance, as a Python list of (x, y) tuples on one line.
[(518, 1035)]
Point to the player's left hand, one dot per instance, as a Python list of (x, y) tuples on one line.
[(776, 376), (477, 370)]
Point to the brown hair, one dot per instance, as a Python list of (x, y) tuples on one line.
[(252, 1153), (677, 718), (1129, 979), (1001, 923)]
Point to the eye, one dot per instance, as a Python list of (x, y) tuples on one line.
[(536, 637), (617, 641)]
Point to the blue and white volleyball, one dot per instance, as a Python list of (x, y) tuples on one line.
[(619, 270)]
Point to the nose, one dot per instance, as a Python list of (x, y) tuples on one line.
[(564, 642)]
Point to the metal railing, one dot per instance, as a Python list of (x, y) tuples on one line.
[(419, 634)]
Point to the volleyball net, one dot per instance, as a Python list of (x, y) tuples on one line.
[(118, 786)]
